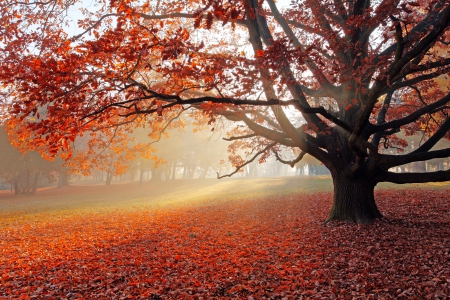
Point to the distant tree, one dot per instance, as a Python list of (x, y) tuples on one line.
[(10, 157), (194, 150), (334, 79), (112, 151), (25, 170)]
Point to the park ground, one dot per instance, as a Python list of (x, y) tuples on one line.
[(222, 239)]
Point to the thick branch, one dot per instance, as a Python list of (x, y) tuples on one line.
[(432, 19), (398, 38), (436, 137), (296, 43), (313, 93), (303, 141), (438, 29), (259, 31), (272, 102), (279, 137), (389, 161), (414, 80), (412, 117), (428, 66), (439, 24), (381, 119), (401, 178), (291, 162), (177, 100)]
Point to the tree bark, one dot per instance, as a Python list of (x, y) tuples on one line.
[(16, 186), (109, 177), (34, 184), (141, 176), (353, 199), (156, 175), (174, 170), (204, 173), (63, 179)]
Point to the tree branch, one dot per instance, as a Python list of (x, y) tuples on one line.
[(413, 68), (29, 3), (389, 161), (110, 141), (240, 137), (181, 16), (296, 43), (398, 38), (433, 18), (74, 38), (415, 80), (176, 99), (436, 137), (381, 118), (402, 178), (279, 137), (292, 162), (412, 117), (430, 38), (167, 126), (247, 162), (439, 23)]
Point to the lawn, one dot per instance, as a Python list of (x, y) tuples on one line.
[(222, 239)]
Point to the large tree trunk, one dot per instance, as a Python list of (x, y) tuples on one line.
[(353, 199)]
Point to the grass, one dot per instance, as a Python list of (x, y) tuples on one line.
[(177, 193), (170, 194)]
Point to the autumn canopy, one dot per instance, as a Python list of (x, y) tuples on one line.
[(339, 80)]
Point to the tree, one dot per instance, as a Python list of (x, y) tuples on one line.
[(111, 150), (334, 79), (24, 170)]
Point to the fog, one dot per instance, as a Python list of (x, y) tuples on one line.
[(181, 155), (199, 155)]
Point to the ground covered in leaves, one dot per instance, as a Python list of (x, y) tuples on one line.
[(251, 248)]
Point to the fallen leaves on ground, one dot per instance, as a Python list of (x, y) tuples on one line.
[(265, 248)]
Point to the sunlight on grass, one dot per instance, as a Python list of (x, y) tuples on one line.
[(167, 195)]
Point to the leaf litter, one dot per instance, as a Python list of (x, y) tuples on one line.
[(259, 248)]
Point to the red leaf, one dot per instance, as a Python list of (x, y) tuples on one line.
[(259, 53)]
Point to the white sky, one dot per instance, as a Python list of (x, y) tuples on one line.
[(74, 14)]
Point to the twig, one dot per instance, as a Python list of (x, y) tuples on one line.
[(247, 162)]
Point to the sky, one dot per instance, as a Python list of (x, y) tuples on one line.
[(74, 14)]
